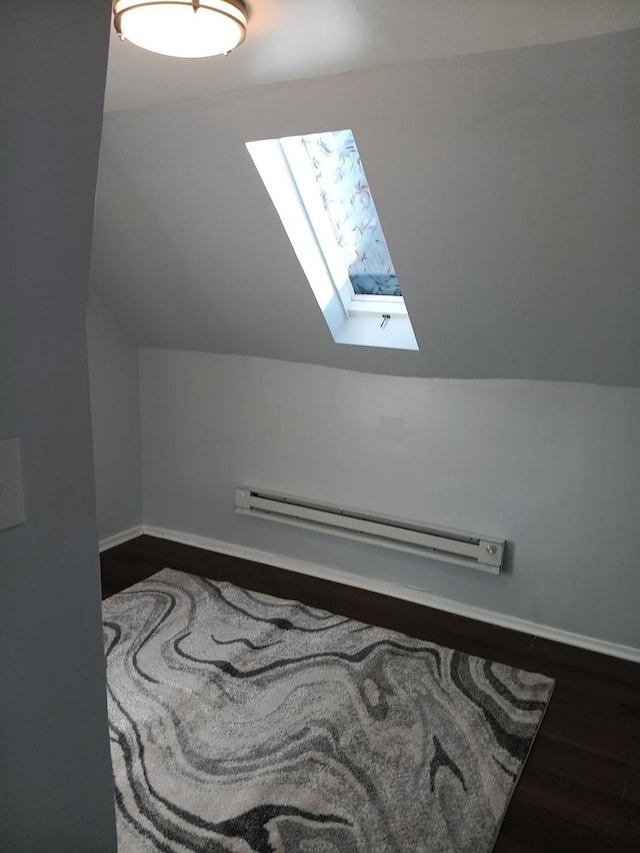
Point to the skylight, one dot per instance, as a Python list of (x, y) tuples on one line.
[(318, 186), (347, 200)]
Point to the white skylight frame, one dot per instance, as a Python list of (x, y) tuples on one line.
[(357, 319)]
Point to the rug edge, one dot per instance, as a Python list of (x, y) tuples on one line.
[(143, 580), (523, 765)]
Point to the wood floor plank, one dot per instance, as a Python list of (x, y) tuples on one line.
[(472, 629), (578, 765), (618, 669), (552, 832), (632, 784), (576, 717), (506, 844), (600, 812), (489, 649)]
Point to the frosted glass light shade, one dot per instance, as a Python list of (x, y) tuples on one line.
[(184, 28)]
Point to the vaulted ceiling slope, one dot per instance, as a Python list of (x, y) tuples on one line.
[(507, 183), (294, 39)]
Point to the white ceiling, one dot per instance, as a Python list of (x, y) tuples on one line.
[(295, 39), (507, 182)]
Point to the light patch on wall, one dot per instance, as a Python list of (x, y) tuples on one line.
[(341, 34), (319, 188)]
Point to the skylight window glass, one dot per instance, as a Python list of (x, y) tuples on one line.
[(348, 202), (319, 189)]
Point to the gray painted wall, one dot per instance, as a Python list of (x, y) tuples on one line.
[(115, 417), (552, 467), (56, 791), (508, 186)]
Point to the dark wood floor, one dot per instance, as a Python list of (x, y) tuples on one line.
[(580, 790)]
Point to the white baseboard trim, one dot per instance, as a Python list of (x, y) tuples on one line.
[(119, 538), (417, 596)]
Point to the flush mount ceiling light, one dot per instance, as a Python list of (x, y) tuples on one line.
[(184, 28)]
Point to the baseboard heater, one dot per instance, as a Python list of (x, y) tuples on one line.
[(452, 546)]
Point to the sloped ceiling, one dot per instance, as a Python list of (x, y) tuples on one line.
[(507, 182), (295, 39)]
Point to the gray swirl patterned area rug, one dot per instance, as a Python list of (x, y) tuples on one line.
[(242, 722)]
